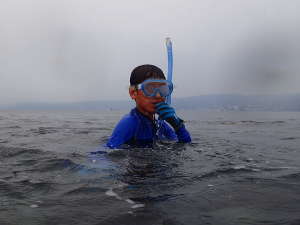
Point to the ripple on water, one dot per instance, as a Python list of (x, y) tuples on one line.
[(293, 176), (218, 180), (85, 190), (7, 152), (289, 138), (24, 189), (44, 130), (47, 165)]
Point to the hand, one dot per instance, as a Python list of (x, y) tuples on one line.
[(168, 114)]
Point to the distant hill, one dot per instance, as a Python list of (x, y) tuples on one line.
[(204, 102), (241, 102), (86, 105)]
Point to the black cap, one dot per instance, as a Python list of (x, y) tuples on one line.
[(144, 72)]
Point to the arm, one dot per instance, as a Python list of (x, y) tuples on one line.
[(181, 135), (123, 132), (165, 131)]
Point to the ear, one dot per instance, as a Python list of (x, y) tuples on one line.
[(132, 93)]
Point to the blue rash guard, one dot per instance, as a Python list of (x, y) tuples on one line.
[(137, 130)]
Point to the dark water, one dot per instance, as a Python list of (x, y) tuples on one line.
[(242, 168)]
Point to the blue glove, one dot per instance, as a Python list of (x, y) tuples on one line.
[(167, 113)]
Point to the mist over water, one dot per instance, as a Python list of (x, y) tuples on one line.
[(242, 168), (68, 51)]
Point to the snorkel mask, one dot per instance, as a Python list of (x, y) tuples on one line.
[(152, 87)]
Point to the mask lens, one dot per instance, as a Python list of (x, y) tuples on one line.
[(151, 88), (164, 90)]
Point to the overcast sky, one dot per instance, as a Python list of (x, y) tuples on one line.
[(76, 50)]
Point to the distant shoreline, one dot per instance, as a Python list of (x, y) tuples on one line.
[(219, 102)]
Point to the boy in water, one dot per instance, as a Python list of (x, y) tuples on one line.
[(148, 88)]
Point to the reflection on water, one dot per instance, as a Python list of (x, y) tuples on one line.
[(242, 168)]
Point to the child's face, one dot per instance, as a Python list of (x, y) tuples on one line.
[(146, 103)]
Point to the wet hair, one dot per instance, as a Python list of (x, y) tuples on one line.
[(144, 72)]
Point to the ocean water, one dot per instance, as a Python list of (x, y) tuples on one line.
[(242, 168)]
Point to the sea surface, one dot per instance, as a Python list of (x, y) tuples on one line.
[(242, 168)]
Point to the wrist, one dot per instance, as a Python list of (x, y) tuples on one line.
[(175, 122)]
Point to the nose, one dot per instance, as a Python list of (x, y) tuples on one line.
[(158, 95), (159, 98)]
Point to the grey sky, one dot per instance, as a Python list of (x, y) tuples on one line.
[(74, 50)]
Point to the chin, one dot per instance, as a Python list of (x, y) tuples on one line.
[(151, 111)]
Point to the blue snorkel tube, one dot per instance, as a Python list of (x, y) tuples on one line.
[(170, 71), (170, 64)]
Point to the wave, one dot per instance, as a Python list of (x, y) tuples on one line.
[(56, 164), (6, 152), (292, 176), (289, 138), (227, 171), (158, 198), (246, 122), (44, 130), (23, 189), (85, 190)]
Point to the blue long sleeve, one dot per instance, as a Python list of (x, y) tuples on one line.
[(123, 132), (137, 130), (166, 132), (183, 135)]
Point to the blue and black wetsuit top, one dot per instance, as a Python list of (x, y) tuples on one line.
[(137, 130)]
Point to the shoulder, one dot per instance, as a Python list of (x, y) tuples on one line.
[(123, 131), (128, 121)]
